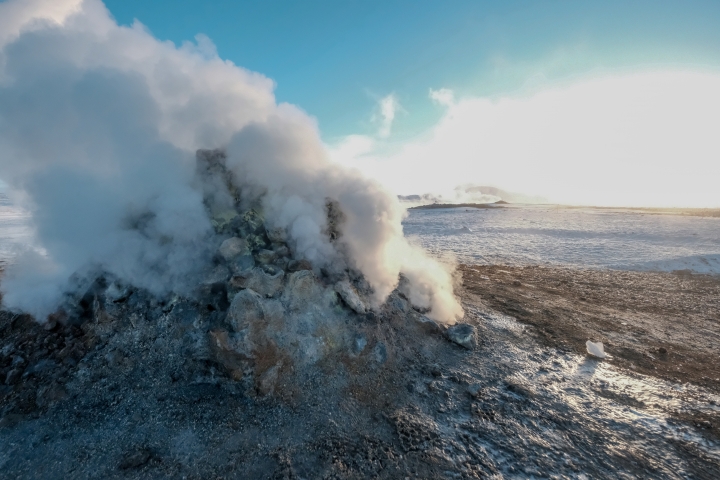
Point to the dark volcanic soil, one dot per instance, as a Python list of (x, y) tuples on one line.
[(137, 395), (661, 324)]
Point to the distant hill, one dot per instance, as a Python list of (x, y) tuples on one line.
[(470, 194), (434, 206)]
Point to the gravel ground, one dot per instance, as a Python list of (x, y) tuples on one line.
[(139, 396)]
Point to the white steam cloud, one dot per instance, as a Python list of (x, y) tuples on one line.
[(99, 125)]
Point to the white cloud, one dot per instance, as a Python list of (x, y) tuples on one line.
[(388, 106), (443, 96), (646, 139)]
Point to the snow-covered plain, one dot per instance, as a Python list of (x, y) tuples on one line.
[(15, 232), (525, 235), (577, 237)]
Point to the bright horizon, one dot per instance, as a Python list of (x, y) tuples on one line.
[(635, 140)]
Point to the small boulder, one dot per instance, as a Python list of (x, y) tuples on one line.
[(245, 310), (298, 265), (380, 353), (350, 297), (265, 257), (358, 345), (267, 382), (396, 304), (475, 390), (276, 235), (117, 292), (242, 263), (301, 288), (253, 221), (13, 376), (264, 283), (219, 274), (282, 251), (135, 459), (463, 334), (428, 325), (595, 349), (232, 248), (231, 350), (222, 220)]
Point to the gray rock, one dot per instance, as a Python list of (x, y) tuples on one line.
[(231, 349), (135, 459), (219, 274), (264, 283), (256, 242), (475, 390), (276, 235), (268, 380), (232, 248), (463, 334), (264, 257), (117, 292), (245, 310), (397, 304), (301, 288), (242, 263), (273, 313), (282, 251), (281, 263), (253, 221), (380, 353), (359, 344), (221, 220), (428, 325), (297, 265), (13, 376), (350, 297)]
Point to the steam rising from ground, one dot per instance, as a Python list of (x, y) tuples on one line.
[(99, 125)]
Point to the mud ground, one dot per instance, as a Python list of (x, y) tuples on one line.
[(661, 324)]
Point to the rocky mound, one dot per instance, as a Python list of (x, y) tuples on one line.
[(259, 317)]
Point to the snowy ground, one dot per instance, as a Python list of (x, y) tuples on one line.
[(578, 237), (526, 235)]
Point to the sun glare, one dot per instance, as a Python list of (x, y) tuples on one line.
[(646, 139)]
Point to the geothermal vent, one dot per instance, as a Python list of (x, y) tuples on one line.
[(258, 313)]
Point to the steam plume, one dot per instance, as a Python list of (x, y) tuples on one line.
[(99, 125)]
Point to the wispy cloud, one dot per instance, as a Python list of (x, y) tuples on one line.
[(388, 106), (443, 96)]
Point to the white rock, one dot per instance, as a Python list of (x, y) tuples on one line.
[(596, 349), (350, 296)]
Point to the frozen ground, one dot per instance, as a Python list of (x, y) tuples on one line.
[(527, 235), (578, 237), (14, 229)]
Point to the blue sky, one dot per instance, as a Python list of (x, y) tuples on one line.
[(336, 59)]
